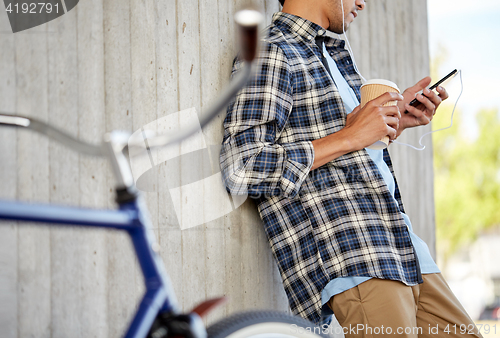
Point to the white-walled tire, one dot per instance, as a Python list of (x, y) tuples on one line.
[(264, 324)]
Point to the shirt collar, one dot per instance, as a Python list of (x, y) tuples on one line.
[(304, 28)]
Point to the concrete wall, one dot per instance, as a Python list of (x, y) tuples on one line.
[(120, 65)]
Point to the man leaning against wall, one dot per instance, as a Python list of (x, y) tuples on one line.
[(295, 139)]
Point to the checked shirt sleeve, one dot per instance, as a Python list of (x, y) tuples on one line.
[(252, 159)]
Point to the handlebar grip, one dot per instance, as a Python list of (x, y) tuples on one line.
[(248, 21), (51, 132)]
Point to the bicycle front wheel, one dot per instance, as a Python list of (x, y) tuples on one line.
[(264, 324)]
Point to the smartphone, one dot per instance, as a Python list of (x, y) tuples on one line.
[(416, 102)]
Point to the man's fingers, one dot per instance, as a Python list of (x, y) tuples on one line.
[(392, 133), (433, 97), (420, 85), (414, 111), (386, 97), (418, 114), (393, 122), (443, 94), (392, 111), (427, 102)]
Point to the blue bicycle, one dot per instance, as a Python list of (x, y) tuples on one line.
[(158, 314)]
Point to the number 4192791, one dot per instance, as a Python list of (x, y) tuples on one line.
[(470, 329), (32, 8)]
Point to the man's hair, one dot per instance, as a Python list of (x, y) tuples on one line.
[(282, 2)]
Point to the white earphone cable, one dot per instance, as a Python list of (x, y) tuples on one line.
[(451, 119), (349, 50)]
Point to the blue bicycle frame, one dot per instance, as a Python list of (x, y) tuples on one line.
[(131, 217), (158, 308)]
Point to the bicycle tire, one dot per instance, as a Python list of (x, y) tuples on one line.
[(264, 324)]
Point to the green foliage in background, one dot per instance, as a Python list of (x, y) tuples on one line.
[(467, 178), (466, 173)]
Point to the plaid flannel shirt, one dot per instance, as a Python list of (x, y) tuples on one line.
[(335, 221)]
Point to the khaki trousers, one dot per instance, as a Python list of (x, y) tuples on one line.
[(384, 308)]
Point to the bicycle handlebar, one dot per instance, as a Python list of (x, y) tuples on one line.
[(248, 22), (161, 140), (53, 133)]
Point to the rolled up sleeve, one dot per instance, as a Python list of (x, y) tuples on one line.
[(252, 161)]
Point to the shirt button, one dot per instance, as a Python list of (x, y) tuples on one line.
[(309, 37), (321, 32)]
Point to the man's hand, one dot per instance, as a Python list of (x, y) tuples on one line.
[(363, 128), (367, 125), (424, 112)]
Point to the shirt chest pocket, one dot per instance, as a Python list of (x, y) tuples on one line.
[(320, 100)]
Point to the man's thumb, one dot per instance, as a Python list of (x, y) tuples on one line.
[(423, 83)]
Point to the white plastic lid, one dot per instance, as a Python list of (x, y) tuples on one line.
[(382, 82)]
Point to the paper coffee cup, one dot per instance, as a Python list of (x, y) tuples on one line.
[(371, 90)]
